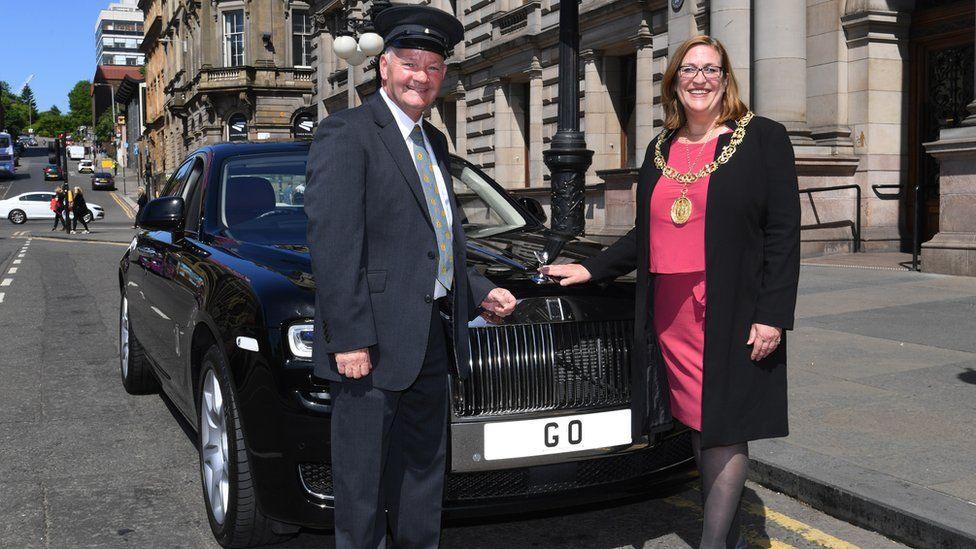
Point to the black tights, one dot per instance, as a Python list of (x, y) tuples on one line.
[(77, 219), (723, 474)]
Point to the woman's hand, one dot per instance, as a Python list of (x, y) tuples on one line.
[(764, 340), (570, 273)]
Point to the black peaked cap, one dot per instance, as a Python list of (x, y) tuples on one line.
[(419, 28)]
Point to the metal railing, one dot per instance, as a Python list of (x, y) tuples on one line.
[(855, 227)]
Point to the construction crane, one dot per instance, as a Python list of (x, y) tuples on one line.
[(30, 111)]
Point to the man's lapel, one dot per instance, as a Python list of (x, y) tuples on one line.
[(393, 139)]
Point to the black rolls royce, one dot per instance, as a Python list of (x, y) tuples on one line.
[(217, 298)]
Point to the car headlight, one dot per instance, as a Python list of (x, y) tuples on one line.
[(300, 340)]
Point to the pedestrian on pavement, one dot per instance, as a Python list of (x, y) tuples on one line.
[(115, 168), (68, 199), (79, 207), (748, 241), (60, 206), (379, 338), (141, 200)]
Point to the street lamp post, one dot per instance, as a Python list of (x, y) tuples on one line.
[(114, 119), (567, 158)]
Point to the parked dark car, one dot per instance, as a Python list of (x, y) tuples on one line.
[(217, 299), (52, 171), (102, 181)]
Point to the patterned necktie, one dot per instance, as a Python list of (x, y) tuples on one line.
[(421, 158)]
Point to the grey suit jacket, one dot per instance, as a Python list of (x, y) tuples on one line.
[(374, 253)]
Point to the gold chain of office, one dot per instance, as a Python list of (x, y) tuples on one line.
[(682, 207), (707, 169)]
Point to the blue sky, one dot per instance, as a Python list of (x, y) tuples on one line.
[(54, 40)]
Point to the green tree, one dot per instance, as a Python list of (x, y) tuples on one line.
[(50, 123), (27, 98), (79, 105), (105, 129)]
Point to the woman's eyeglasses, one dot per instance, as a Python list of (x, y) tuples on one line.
[(689, 72)]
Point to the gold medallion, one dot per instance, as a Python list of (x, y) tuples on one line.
[(681, 210)]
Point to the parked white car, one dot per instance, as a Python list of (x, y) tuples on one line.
[(37, 205), (86, 166)]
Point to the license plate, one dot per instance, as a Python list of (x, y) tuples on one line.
[(556, 435)]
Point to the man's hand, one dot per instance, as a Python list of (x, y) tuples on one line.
[(567, 274), (353, 364), (498, 304), (764, 340)]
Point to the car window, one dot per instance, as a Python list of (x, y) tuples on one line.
[(36, 197), (261, 198), (192, 193), (175, 184)]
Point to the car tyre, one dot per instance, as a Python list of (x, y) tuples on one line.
[(137, 375), (225, 472), (17, 217), (88, 217)]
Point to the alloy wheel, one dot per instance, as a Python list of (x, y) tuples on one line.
[(17, 217), (213, 441)]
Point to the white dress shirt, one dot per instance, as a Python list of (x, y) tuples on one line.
[(406, 125)]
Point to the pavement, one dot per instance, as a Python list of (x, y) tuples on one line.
[(882, 400)]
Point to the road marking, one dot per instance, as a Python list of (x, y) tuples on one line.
[(125, 207), (17, 262), (6, 282), (1, 297), (48, 239), (13, 270), (805, 531)]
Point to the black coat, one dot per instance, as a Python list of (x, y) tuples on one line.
[(373, 249), (79, 206), (752, 266)]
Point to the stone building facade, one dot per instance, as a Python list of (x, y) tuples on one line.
[(860, 84), (224, 70)]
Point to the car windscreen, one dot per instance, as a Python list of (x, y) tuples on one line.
[(4, 142), (262, 197), (101, 174)]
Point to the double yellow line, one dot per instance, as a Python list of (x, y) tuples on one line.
[(126, 209)]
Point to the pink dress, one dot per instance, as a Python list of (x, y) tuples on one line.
[(677, 259)]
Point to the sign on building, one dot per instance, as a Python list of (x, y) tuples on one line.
[(237, 128), (303, 126)]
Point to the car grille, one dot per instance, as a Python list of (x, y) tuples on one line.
[(4, 157), (317, 479), (541, 479), (560, 477), (551, 366)]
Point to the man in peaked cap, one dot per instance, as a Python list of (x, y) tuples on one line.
[(388, 256)]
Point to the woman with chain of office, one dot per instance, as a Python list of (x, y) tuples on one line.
[(718, 220)]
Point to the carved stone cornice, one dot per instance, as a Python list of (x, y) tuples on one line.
[(879, 26)]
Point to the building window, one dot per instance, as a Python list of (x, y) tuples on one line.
[(301, 38), (234, 38)]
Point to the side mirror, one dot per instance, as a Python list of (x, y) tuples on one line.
[(162, 214), (534, 207)]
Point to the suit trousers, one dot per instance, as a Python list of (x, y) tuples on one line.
[(388, 453)]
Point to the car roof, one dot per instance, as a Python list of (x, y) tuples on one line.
[(219, 151)]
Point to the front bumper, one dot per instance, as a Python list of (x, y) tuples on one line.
[(289, 431)]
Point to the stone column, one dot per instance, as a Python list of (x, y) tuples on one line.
[(535, 159), (690, 20), (461, 120), (644, 103), (729, 23), (953, 249), (595, 116), (509, 170), (876, 72), (781, 65)]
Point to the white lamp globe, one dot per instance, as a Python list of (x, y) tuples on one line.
[(344, 46), (357, 57), (371, 43)]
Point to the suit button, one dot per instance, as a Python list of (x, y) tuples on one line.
[(430, 255), (428, 299)]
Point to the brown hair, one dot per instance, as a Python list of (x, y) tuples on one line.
[(674, 112)]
